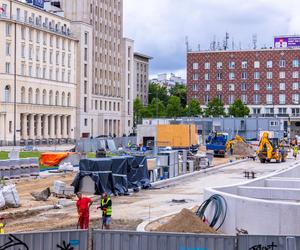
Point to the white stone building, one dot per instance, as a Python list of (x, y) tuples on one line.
[(38, 75)]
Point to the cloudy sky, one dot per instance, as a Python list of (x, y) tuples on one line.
[(159, 27)]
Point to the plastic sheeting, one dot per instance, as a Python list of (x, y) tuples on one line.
[(114, 175), (53, 158)]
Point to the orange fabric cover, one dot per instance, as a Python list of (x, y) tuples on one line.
[(53, 158)]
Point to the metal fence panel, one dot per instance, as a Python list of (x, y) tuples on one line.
[(76, 240), (254, 242), (128, 240)]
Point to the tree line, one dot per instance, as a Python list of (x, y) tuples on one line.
[(173, 103)]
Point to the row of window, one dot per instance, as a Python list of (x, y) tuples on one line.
[(256, 99), (244, 87), (244, 64), (245, 75), (102, 105), (35, 97), (43, 73), (38, 20)]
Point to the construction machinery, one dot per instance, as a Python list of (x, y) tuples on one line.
[(234, 141), (269, 149), (217, 143)]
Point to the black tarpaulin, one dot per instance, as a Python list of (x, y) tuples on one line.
[(119, 173), (138, 175)]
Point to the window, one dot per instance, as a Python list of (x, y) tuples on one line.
[(244, 99), (282, 99), (256, 87), (195, 87), (57, 75), (282, 86), (37, 54), (7, 93), (30, 35), (231, 87), (69, 61), (295, 63), (23, 32), (23, 69), (269, 99), (38, 37), (7, 68), (206, 99), (219, 65), (195, 65), (51, 57), (256, 75), (86, 55), (219, 96), (256, 111), (282, 111), (256, 99), (50, 74), (57, 58), (282, 75), (271, 112), (207, 65), (244, 64), (295, 98), (256, 64), (195, 77), (30, 70), (244, 86), (63, 59), (231, 65), (8, 29), (231, 99), (23, 95), (85, 104), (44, 55), (295, 85), (296, 74), (244, 75), (231, 76), (86, 35), (219, 76), (269, 75), (7, 49), (23, 51), (269, 64), (207, 87), (207, 76), (219, 87), (269, 86), (4, 7), (282, 63)]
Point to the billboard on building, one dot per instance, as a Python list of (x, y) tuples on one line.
[(287, 42), (38, 3)]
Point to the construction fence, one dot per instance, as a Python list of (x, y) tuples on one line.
[(130, 240)]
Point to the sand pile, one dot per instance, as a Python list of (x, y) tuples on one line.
[(244, 149), (186, 222)]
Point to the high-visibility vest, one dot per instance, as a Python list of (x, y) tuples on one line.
[(1, 228), (108, 211)]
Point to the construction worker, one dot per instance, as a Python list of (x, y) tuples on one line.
[(83, 209), (295, 151), (106, 207), (231, 148)]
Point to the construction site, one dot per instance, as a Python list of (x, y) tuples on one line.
[(167, 184)]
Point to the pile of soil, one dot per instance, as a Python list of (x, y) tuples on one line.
[(244, 149), (185, 222)]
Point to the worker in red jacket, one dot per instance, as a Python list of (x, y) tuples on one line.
[(83, 209)]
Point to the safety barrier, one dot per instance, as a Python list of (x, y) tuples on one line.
[(63, 240), (131, 240), (114, 240)]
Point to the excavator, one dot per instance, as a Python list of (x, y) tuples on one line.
[(233, 141), (270, 150)]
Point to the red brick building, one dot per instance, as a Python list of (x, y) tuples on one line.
[(267, 80)]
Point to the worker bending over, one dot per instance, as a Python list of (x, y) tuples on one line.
[(106, 207), (83, 209)]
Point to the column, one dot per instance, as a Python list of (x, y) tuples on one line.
[(31, 127), (65, 127), (58, 126), (52, 126), (39, 126), (24, 126), (45, 129)]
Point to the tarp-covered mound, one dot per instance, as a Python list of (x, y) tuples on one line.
[(53, 158), (114, 175)]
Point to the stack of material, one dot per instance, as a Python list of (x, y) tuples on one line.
[(185, 222), (62, 190), (243, 149), (41, 196)]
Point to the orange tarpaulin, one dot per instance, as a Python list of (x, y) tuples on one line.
[(53, 158)]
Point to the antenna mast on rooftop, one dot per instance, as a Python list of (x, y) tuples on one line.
[(187, 44), (254, 40), (225, 42)]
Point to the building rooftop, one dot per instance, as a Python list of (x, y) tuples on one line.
[(143, 55)]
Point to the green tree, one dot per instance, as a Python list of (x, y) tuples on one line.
[(215, 108), (238, 109), (157, 110), (174, 108), (137, 111), (193, 108), (157, 91), (179, 90)]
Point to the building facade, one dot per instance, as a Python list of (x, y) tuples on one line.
[(38, 80), (267, 80), (100, 110), (141, 77)]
